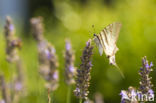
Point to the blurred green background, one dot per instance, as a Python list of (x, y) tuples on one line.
[(73, 19)]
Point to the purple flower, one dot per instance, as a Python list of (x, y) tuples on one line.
[(2, 101), (151, 92), (78, 89), (55, 75), (90, 63), (71, 69), (68, 46), (133, 93), (147, 66), (124, 95), (11, 27), (18, 86), (87, 43), (47, 53), (151, 65)]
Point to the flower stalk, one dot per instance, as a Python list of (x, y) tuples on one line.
[(69, 64), (145, 80), (69, 68)]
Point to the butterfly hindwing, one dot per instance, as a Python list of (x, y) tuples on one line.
[(115, 29)]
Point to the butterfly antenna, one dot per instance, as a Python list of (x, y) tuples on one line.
[(119, 71), (92, 33)]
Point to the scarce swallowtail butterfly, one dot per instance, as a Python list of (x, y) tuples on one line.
[(106, 41)]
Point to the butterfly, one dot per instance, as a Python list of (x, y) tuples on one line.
[(106, 41)]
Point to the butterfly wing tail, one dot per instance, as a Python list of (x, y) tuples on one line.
[(112, 62), (119, 70)]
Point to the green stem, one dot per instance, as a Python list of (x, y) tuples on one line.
[(69, 94), (11, 67), (80, 100), (49, 96)]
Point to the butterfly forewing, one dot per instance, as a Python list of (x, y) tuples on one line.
[(98, 44), (115, 30)]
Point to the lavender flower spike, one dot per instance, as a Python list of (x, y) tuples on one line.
[(83, 74), (145, 80), (48, 62), (69, 64), (48, 66), (12, 43)]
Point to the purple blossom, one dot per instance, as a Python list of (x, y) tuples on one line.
[(147, 66), (48, 54), (2, 101), (71, 69), (124, 95), (55, 75), (68, 46), (90, 63), (151, 92), (18, 86), (11, 27), (87, 43), (133, 93), (78, 90), (151, 64)]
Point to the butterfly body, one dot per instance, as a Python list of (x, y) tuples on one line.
[(106, 41)]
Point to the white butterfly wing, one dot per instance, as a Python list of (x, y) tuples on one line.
[(98, 44), (112, 31), (107, 46), (110, 35)]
